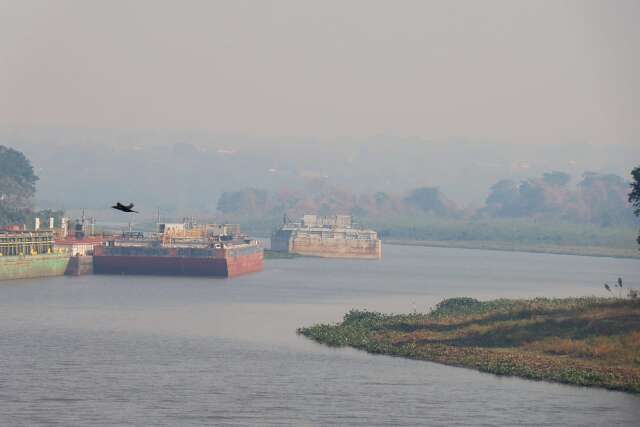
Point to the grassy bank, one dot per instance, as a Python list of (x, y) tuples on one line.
[(598, 251), (269, 254), (580, 341), (520, 232)]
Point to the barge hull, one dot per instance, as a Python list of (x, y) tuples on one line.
[(286, 241), (243, 264), (159, 266), (178, 266), (33, 266), (354, 249)]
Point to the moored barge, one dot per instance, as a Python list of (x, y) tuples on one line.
[(181, 250), (326, 236), (30, 254)]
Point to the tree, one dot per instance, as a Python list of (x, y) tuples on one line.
[(532, 198), (15, 165), (606, 197), (503, 198), (251, 201), (429, 199), (556, 178), (634, 195), (17, 185), (381, 198)]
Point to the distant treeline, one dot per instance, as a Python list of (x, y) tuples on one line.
[(597, 199)]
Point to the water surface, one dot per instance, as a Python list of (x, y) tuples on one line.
[(118, 350)]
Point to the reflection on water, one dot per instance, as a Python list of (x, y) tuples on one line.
[(117, 350)]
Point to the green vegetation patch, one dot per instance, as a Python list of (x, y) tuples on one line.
[(581, 341), (518, 231), (593, 251)]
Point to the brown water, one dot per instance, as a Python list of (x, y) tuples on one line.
[(116, 350)]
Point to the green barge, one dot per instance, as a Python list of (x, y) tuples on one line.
[(30, 254), (32, 266)]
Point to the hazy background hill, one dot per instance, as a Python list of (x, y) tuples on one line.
[(186, 172)]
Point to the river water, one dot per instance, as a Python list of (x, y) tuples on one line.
[(117, 350)]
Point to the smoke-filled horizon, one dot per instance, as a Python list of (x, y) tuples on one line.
[(186, 172), (501, 71)]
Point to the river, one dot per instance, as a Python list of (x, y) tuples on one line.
[(117, 350)]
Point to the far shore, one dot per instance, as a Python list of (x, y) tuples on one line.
[(594, 251)]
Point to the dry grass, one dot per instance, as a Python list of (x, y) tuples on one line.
[(623, 350)]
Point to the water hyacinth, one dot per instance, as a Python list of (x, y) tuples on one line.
[(582, 341)]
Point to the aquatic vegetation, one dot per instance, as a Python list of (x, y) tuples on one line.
[(582, 341)]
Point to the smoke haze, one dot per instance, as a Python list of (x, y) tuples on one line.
[(194, 98), (514, 72)]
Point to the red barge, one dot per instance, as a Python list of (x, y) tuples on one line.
[(181, 250)]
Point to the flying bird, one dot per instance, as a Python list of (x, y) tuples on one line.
[(124, 208)]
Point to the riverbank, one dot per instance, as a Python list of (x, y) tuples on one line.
[(269, 254), (597, 251), (591, 342)]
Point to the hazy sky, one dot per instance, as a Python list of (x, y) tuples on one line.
[(548, 71)]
